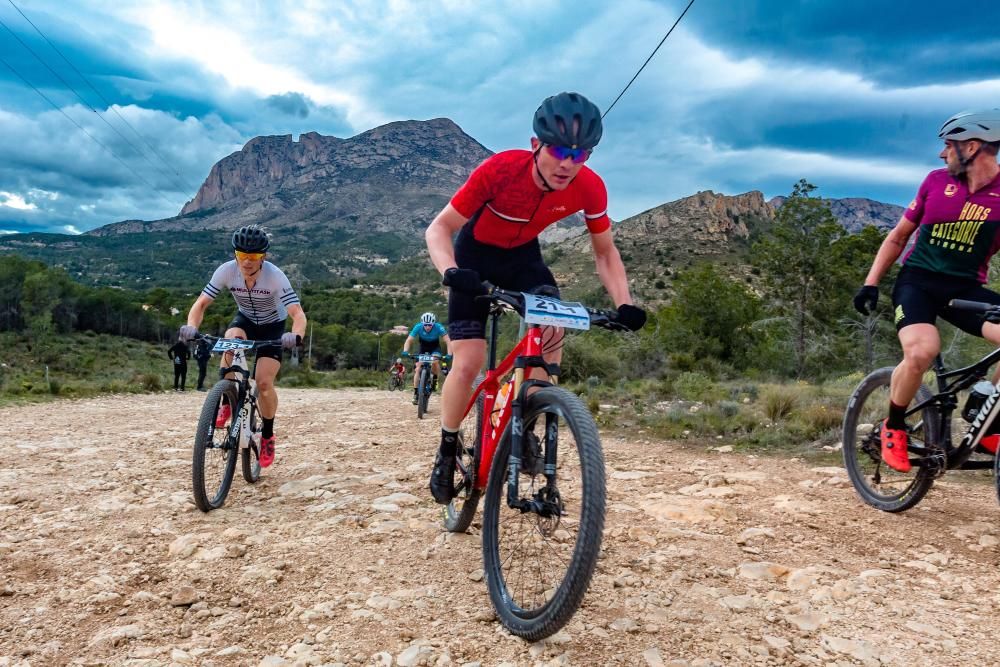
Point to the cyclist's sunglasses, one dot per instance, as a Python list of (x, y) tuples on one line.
[(255, 256), (578, 155)]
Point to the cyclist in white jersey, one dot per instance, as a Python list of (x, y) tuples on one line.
[(264, 298)]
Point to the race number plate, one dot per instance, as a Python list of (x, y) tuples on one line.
[(555, 313), (228, 344)]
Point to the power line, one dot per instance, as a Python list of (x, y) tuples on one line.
[(86, 103), (83, 129), (97, 92), (608, 110)]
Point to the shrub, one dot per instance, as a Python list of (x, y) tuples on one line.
[(818, 419), (779, 402), (149, 382), (698, 387)]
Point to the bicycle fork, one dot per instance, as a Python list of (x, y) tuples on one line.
[(545, 501)]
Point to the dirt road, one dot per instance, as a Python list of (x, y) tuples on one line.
[(710, 558)]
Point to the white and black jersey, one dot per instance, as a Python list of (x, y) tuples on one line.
[(266, 303)]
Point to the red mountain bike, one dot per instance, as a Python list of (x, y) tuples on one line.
[(533, 450)]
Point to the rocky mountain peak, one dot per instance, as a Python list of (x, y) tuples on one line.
[(856, 213), (269, 164), (705, 222)]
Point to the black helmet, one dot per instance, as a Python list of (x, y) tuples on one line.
[(553, 123), (251, 238)]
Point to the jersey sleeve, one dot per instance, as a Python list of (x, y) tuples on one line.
[(415, 331), (441, 331), (476, 191), (286, 294), (915, 211), (595, 207), (217, 283)]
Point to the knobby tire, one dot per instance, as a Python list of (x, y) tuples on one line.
[(545, 620), (204, 447)]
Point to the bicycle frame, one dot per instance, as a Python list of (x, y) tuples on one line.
[(946, 401), (527, 353)]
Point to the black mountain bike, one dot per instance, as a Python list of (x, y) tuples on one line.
[(931, 447), (217, 448)]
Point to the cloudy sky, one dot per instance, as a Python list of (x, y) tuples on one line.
[(744, 95)]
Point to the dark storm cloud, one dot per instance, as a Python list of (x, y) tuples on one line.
[(292, 104), (894, 43)]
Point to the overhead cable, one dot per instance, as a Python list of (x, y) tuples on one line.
[(84, 130), (86, 103), (96, 91), (648, 59)]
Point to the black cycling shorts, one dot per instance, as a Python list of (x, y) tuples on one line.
[(920, 296), (430, 346), (520, 268), (253, 331)]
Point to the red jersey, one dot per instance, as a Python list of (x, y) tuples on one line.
[(507, 208)]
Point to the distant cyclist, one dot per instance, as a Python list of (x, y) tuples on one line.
[(264, 299), (398, 370), (430, 333)]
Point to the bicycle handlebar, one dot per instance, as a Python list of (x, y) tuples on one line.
[(606, 319), (254, 344), (989, 311)]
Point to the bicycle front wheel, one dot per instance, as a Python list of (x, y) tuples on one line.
[(423, 387), (876, 483), (215, 451), (539, 564), (460, 512)]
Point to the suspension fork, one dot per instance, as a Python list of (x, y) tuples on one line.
[(532, 357)]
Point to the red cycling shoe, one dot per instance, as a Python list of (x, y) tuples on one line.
[(225, 412), (894, 443), (266, 456)]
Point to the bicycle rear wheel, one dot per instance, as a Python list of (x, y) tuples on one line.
[(539, 568), (423, 385), (215, 451), (876, 483), (462, 509)]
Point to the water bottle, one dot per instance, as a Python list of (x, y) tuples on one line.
[(977, 396)]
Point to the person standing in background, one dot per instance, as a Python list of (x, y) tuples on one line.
[(202, 353), (179, 354)]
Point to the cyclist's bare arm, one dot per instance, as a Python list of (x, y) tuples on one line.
[(197, 312), (890, 249), (439, 234), (610, 268), (407, 343), (299, 322), (447, 343)]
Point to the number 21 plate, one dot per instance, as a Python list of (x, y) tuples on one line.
[(553, 312)]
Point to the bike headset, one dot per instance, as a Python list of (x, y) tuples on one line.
[(566, 119), (981, 125)]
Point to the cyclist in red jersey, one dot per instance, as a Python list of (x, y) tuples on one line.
[(498, 214), (956, 215)]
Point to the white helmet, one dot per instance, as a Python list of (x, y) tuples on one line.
[(428, 318), (982, 125), (399, 360)]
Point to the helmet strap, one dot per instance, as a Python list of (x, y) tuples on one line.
[(965, 162), (534, 157)]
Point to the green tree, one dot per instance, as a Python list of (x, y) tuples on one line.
[(796, 261), (711, 315)]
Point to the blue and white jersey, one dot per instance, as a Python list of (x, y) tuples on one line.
[(431, 336), (266, 303)]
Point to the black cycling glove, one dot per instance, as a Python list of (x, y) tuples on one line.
[(631, 317), (463, 280), (866, 299)]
